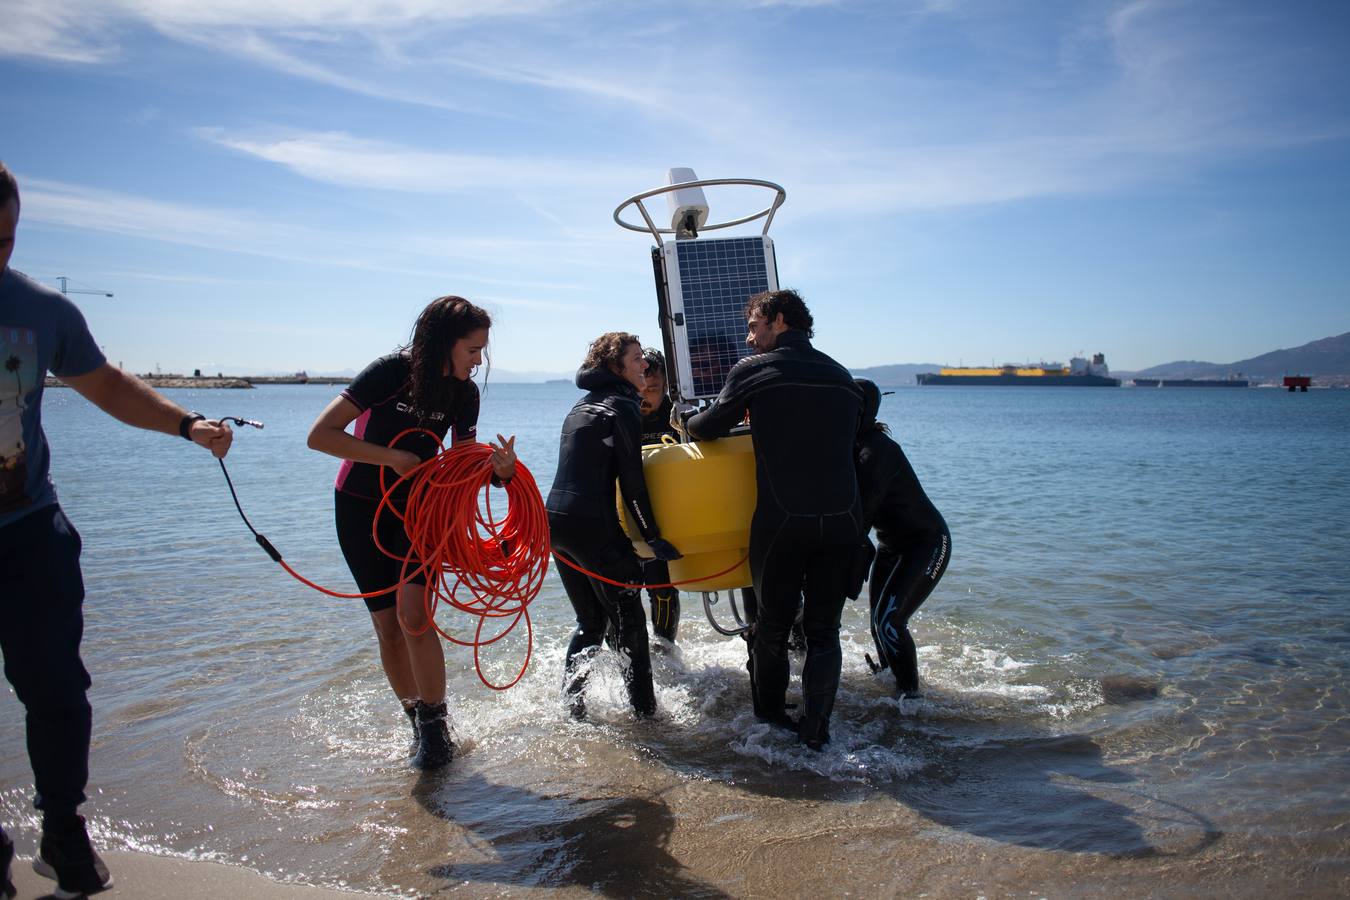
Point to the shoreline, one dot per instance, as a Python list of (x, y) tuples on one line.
[(241, 383), (146, 876)]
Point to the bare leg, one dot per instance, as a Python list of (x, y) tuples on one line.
[(394, 654), (425, 652)]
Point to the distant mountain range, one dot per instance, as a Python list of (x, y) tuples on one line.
[(897, 374), (1326, 360)]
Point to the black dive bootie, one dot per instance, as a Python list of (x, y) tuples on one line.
[(641, 693), (906, 668), (665, 606), (769, 710), (813, 732), (411, 712), (635, 653), (435, 748), (814, 728)]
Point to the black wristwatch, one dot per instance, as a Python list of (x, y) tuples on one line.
[(185, 426)]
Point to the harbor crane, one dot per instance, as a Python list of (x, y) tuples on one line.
[(66, 289)]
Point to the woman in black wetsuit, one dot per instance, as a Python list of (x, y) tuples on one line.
[(913, 543), (426, 384), (601, 442)]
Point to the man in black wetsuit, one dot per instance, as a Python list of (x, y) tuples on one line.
[(804, 414), (655, 404), (655, 408)]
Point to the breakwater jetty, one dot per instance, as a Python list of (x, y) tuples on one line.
[(220, 381)]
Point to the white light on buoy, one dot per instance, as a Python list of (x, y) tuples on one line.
[(688, 206)]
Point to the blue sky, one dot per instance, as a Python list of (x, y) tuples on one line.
[(283, 184)]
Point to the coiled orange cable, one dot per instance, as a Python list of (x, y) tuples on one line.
[(458, 541), (461, 546)]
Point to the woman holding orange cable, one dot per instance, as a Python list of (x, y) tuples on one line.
[(424, 385), (601, 444)]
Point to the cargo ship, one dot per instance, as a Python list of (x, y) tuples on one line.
[(1078, 373), (1191, 382)]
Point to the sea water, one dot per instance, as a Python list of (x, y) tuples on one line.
[(1134, 674)]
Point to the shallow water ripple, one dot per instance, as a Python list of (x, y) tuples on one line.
[(1134, 674)]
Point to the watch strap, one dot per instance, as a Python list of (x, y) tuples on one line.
[(185, 426)]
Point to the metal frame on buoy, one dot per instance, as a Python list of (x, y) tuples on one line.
[(689, 212)]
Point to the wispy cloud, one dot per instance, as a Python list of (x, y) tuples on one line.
[(340, 158), (1149, 93), (73, 206), (69, 32), (87, 31), (323, 15), (604, 83), (424, 253), (252, 46)]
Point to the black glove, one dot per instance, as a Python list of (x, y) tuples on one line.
[(858, 570), (664, 550)]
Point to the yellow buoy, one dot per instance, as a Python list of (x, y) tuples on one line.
[(703, 495)]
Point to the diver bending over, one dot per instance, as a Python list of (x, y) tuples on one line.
[(804, 415), (599, 444), (913, 543)]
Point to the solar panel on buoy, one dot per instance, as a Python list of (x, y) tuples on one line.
[(702, 287), (708, 281)]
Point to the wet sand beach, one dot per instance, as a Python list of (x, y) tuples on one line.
[(144, 876)]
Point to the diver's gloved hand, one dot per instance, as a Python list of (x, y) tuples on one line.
[(664, 550), (679, 416)]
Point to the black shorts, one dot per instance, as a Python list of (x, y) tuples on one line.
[(372, 569)]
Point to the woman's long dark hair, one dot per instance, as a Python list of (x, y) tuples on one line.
[(444, 321)]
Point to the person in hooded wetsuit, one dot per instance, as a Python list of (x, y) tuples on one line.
[(913, 543), (425, 385), (655, 408), (601, 443), (804, 413)]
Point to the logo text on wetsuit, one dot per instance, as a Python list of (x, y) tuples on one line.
[(409, 409)]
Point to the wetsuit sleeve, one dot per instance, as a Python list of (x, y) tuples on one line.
[(878, 460), (377, 382), (632, 483), (466, 416), (726, 412)]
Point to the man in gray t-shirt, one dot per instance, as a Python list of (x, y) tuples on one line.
[(41, 589)]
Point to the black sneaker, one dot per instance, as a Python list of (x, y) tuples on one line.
[(435, 749), (6, 857), (66, 856)]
